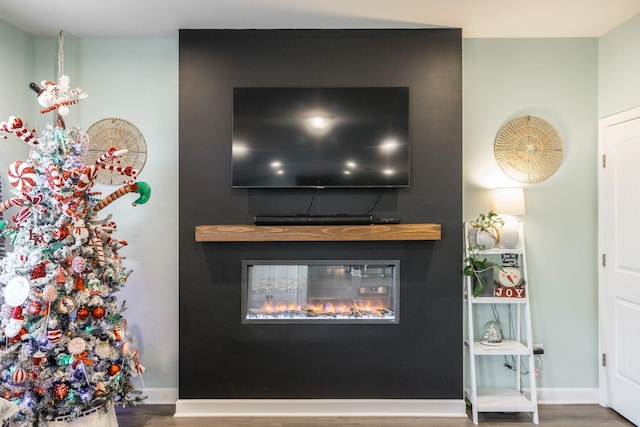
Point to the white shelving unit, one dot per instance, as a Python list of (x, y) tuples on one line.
[(522, 397)]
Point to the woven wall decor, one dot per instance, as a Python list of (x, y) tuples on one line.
[(121, 134), (528, 149)]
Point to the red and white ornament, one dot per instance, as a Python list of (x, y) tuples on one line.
[(60, 233), (135, 356), (78, 264), (99, 249), (118, 333), (66, 304), (7, 311), (34, 307), (80, 230), (38, 358), (19, 375), (54, 335), (16, 126), (21, 175), (53, 178), (85, 177), (50, 293), (61, 277), (39, 271), (14, 329), (60, 391), (77, 346), (125, 349)]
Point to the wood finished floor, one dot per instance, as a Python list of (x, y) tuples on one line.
[(550, 415)]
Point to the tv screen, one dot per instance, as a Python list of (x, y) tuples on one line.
[(320, 137)]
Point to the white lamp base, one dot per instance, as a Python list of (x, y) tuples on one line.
[(509, 235)]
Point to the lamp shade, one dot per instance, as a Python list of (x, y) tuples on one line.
[(508, 201)]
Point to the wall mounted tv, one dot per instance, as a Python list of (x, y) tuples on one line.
[(321, 137)]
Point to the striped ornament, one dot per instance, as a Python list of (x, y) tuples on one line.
[(34, 307), (54, 335), (21, 175), (19, 376)]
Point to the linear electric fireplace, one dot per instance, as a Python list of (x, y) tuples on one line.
[(319, 291)]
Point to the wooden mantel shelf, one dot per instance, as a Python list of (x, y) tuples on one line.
[(316, 233)]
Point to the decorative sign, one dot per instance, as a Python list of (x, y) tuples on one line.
[(509, 259), (510, 283), (515, 292)]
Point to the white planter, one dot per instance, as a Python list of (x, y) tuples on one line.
[(484, 238), (98, 417)]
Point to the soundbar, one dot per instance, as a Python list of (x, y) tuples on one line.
[(314, 220)]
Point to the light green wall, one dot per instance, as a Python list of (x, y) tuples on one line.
[(555, 79), (16, 72), (17, 53), (619, 68)]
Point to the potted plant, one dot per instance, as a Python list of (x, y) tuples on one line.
[(480, 269), (484, 232)]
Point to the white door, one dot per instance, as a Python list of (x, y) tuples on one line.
[(619, 279)]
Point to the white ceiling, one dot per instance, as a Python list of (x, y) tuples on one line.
[(161, 18)]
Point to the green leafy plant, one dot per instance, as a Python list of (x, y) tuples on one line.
[(489, 222), (475, 266), (475, 263)]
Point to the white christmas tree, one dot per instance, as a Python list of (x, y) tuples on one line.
[(64, 348)]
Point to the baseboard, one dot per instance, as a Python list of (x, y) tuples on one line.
[(160, 396), (348, 407), (568, 396), (320, 408)]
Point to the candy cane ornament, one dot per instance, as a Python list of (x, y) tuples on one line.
[(21, 202), (53, 178), (86, 176), (16, 126), (97, 244), (135, 357), (142, 188), (15, 201), (110, 154), (125, 171)]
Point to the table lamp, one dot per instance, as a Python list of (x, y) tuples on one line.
[(508, 203)]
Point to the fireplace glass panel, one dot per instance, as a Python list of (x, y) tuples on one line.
[(320, 291)]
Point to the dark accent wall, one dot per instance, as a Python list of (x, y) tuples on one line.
[(421, 357)]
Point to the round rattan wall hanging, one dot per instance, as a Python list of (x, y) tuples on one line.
[(528, 149), (119, 134)]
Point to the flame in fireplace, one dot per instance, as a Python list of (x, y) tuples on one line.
[(367, 308)]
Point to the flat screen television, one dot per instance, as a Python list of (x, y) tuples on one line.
[(320, 137)]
